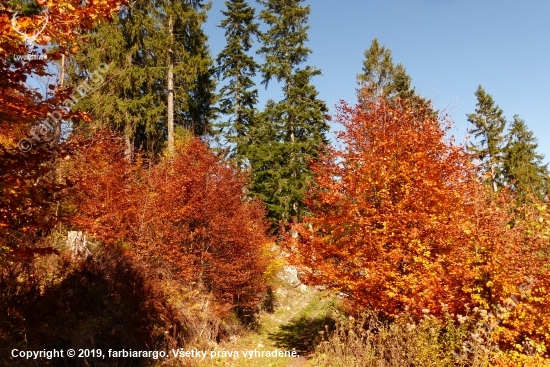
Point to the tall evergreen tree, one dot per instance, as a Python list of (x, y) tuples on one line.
[(291, 132), (134, 95), (522, 165), (489, 123), (239, 97), (381, 76), (24, 7)]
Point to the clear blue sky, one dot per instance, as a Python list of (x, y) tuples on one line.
[(448, 47)]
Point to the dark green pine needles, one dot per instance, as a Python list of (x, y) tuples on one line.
[(137, 45), (523, 168), (506, 160), (381, 76), (489, 123), (290, 133), (238, 98)]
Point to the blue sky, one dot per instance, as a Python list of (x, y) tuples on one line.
[(448, 47)]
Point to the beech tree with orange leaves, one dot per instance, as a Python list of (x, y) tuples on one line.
[(63, 23), (385, 209), (28, 43), (400, 221), (186, 216)]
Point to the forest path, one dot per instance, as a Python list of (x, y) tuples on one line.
[(299, 314)]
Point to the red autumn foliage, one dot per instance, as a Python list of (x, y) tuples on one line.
[(506, 255), (29, 190), (63, 23), (29, 199), (187, 215), (384, 228), (400, 220)]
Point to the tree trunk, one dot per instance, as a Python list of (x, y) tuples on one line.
[(57, 124), (170, 91), (493, 179), (292, 133), (128, 131), (62, 77), (239, 119), (129, 151)]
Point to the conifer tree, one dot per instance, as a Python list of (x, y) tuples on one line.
[(382, 76), (133, 97), (522, 165), (289, 133), (24, 7), (239, 97), (489, 123)]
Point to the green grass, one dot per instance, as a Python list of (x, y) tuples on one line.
[(294, 325)]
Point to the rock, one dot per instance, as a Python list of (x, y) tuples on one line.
[(76, 241), (290, 274)]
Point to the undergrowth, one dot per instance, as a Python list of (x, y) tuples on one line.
[(107, 301), (371, 341)]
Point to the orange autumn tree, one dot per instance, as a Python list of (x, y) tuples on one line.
[(29, 190), (386, 210), (400, 220), (57, 27), (509, 259), (200, 222), (186, 216)]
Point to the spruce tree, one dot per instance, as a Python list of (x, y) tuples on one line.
[(239, 97), (289, 133), (522, 165), (134, 95), (24, 7), (195, 70), (381, 76), (489, 123)]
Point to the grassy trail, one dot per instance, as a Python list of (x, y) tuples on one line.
[(294, 325)]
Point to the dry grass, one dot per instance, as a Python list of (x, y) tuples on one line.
[(371, 342)]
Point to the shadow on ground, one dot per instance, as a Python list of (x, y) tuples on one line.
[(106, 302), (302, 333)]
